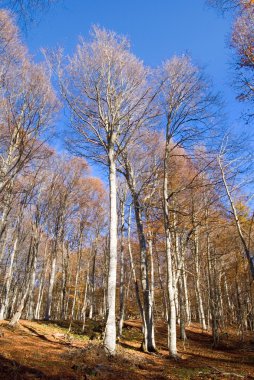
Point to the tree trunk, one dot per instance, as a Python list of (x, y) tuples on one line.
[(170, 276), (92, 280), (197, 282), (182, 306), (151, 293), (122, 271), (65, 263), (186, 295), (138, 298), (51, 285), (7, 281), (110, 330), (32, 262), (164, 296), (76, 280), (83, 311)]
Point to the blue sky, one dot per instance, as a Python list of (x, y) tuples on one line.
[(157, 30)]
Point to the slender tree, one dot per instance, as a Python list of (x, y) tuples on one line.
[(186, 102)]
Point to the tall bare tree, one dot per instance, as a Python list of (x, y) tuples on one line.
[(106, 92), (187, 106)]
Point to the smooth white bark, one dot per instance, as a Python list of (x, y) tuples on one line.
[(110, 331)]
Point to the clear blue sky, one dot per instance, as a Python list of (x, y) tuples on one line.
[(157, 30)]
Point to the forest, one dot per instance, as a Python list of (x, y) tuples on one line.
[(129, 249)]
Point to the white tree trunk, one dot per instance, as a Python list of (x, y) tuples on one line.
[(172, 337), (29, 282), (7, 281), (110, 330)]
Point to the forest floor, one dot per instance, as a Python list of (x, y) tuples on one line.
[(43, 350)]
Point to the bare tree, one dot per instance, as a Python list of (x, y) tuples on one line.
[(106, 92), (186, 102)]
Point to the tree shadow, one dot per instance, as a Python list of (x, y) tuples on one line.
[(13, 370), (44, 337), (129, 346)]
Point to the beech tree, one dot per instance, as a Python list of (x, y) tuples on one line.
[(187, 104), (106, 92)]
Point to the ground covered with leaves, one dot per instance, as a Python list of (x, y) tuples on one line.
[(43, 350)]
